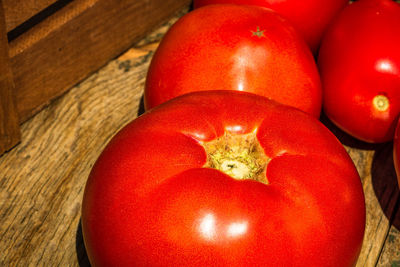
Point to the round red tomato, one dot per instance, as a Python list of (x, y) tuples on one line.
[(232, 47), (223, 178), (396, 151), (359, 63), (310, 17)]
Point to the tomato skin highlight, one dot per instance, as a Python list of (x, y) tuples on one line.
[(310, 17), (233, 47), (359, 63), (150, 202)]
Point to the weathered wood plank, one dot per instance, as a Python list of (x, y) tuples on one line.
[(9, 122), (390, 255)]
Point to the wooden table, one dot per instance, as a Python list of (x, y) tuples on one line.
[(42, 179)]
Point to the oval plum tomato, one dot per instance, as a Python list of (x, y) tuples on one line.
[(359, 63), (223, 178), (232, 47), (396, 151), (310, 17)]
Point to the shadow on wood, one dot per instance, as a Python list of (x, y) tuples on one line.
[(81, 254), (344, 137), (141, 106), (384, 182), (396, 219)]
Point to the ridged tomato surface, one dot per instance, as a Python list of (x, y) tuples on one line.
[(152, 200)]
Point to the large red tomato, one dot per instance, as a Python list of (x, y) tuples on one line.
[(360, 69), (223, 178), (244, 48), (310, 17), (396, 151)]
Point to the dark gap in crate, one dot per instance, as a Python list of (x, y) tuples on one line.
[(36, 19)]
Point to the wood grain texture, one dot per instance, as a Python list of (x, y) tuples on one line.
[(18, 11), (9, 121), (42, 180), (81, 37), (390, 255)]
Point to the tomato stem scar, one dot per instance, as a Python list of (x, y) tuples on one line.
[(381, 102), (258, 32), (237, 155)]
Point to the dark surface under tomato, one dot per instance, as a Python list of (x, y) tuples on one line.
[(396, 152)]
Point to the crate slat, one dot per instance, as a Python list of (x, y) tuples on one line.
[(9, 122), (79, 39), (18, 11)]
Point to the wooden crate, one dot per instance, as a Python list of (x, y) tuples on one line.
[(47, 46)]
